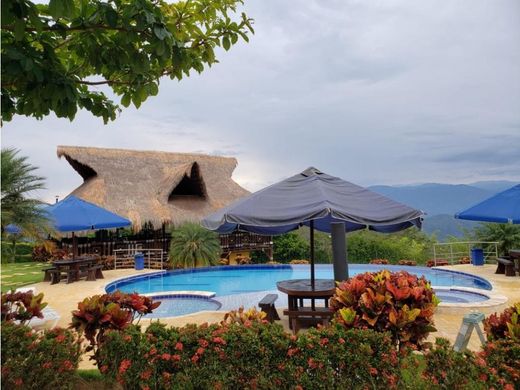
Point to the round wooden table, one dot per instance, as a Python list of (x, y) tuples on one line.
[(299, 289)]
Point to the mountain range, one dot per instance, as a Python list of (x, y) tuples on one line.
[(441, 201)]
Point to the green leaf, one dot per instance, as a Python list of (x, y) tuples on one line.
[(111, 17), (61, 8), (226, 43), (153, 89), (126, 100), (19, 29)]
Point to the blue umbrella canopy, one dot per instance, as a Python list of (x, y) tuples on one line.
[(13, 229), (313, 197), (503, 207), (73, 214)]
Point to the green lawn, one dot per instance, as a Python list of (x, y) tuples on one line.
[(21, 274)]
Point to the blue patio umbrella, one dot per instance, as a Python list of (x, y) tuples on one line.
[(12, 229), (503, 207), (74, 214)]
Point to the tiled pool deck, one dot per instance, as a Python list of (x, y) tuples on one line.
[(64, 298)]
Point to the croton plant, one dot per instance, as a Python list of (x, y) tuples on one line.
[(505, 325), (99, 314), (396, 302)]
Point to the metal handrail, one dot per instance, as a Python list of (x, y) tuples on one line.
[(445, 250), (129, 253)]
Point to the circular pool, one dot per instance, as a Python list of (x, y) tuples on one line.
[(230, 280), (173, 305)]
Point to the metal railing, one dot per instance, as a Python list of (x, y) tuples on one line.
[(125, 258), (453, 252)]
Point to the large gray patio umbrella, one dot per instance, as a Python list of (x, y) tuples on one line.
[(317, 200)]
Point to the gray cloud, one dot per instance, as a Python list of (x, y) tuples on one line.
[(375, 92)]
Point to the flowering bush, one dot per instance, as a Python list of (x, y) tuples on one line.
[(248, 355), (502, 358), (399, 303), (33, 360), (496, 367), (505, 325), (379, 261), (100, 313), (301, 261), (22, 306), (407, 262)]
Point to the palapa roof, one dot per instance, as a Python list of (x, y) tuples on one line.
[(150, 186)]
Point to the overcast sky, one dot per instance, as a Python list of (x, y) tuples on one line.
[(376, 92)]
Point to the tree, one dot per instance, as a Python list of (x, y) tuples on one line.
[(193, 246), (507, 235), (18, 184), (290, 246), (56, 55)]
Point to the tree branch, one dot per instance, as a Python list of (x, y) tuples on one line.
[(79, 28)]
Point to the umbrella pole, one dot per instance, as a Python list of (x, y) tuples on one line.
[(312, 253)]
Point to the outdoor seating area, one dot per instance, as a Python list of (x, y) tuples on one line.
[(73, 270)]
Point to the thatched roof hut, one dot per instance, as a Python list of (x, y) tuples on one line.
[(156, 187)]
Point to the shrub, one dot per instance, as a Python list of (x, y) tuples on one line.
[(249, 355), (287, 247), (21, 306), (399, 303), (505, 325), (496, 367), (41, 254), (379, 261), (101, 313), (33, 360), (409, 244), (502, 358), (407, 262), (448, 369), (301, 261)]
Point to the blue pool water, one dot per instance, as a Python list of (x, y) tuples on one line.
[(247, 279), (460, 296)]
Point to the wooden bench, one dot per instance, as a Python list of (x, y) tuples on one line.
[(505, 266), (322, 314), (267, 306), (95, 272), (47, 275)]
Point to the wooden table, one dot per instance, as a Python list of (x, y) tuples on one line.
[(73, 267), (514, 254), (299, 289)]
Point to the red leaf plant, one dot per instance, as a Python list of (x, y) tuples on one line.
[(399, 303), (99, 314), (22, 306)]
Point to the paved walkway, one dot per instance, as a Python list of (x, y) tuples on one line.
[(65, 297)]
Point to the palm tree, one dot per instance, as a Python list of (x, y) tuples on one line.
[(18, 183), (193, 246), (507, 235)]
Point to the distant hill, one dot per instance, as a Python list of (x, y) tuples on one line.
[(442, 201)]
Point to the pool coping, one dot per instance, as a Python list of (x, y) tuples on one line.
[(494, 299)]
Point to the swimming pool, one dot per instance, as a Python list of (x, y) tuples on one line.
[(230, 280), (173, 305), (454, 295)]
